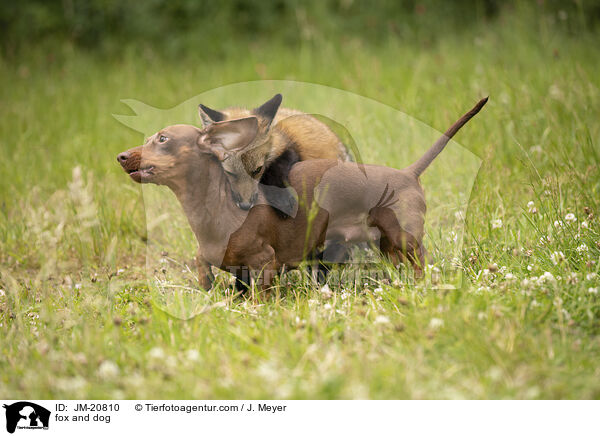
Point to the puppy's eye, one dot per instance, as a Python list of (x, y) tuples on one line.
[(257, 171), (162, 138)]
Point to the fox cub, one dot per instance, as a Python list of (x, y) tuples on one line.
[(285, 136)]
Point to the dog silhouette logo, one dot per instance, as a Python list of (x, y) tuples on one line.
[(26, 415)]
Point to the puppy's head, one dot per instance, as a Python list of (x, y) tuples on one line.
[(164, 155), (167, 156)]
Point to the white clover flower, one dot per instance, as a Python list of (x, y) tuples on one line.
[(327, 306), (2, 293), (557, 257), (382, 319), (545, 240), (377, 290), (570, 218), (531, 207), (76, 383), (525, 283), (590, 276), (170, 361), (80, 358), (326, 293), (530, 267), (156, 353), (509, 277), (496, 224), (558, 224), (582, 248), (77, 285), (108, 369), (547, 277), (593, 290), (534, 303), (584, 225), (572, 278), (192, 355), (452, 236), (436, 323)]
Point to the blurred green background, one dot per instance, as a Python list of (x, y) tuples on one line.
[(213, 26), (76, 315)]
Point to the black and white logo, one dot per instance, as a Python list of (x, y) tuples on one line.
[(26, 415)]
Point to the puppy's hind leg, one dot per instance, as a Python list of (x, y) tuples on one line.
[(396, 243), (401, 251)]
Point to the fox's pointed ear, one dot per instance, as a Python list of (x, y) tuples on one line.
[(269, 109), (227, 137), (209, 115)]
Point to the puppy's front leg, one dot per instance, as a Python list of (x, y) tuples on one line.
[(205, 275)]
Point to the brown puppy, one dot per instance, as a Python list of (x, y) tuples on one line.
[(338, 201), (347, 203)]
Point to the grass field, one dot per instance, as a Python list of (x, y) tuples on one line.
[(77, 318)]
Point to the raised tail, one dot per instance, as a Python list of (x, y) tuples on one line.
[(421, 165)]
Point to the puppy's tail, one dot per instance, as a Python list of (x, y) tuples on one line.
[(421, 165)]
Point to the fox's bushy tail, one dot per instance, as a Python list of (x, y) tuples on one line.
[(421, 165)]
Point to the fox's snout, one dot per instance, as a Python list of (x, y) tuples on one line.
[(241, 203)]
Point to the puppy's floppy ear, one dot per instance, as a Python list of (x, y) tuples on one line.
[(269, 109), (226, 137), (209, 115)]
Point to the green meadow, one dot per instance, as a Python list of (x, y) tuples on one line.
[(80, 318)]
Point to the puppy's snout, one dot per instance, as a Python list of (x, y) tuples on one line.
[(122, 157), (245, 205)]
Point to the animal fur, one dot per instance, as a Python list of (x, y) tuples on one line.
[(347, 202), (285, 136)]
